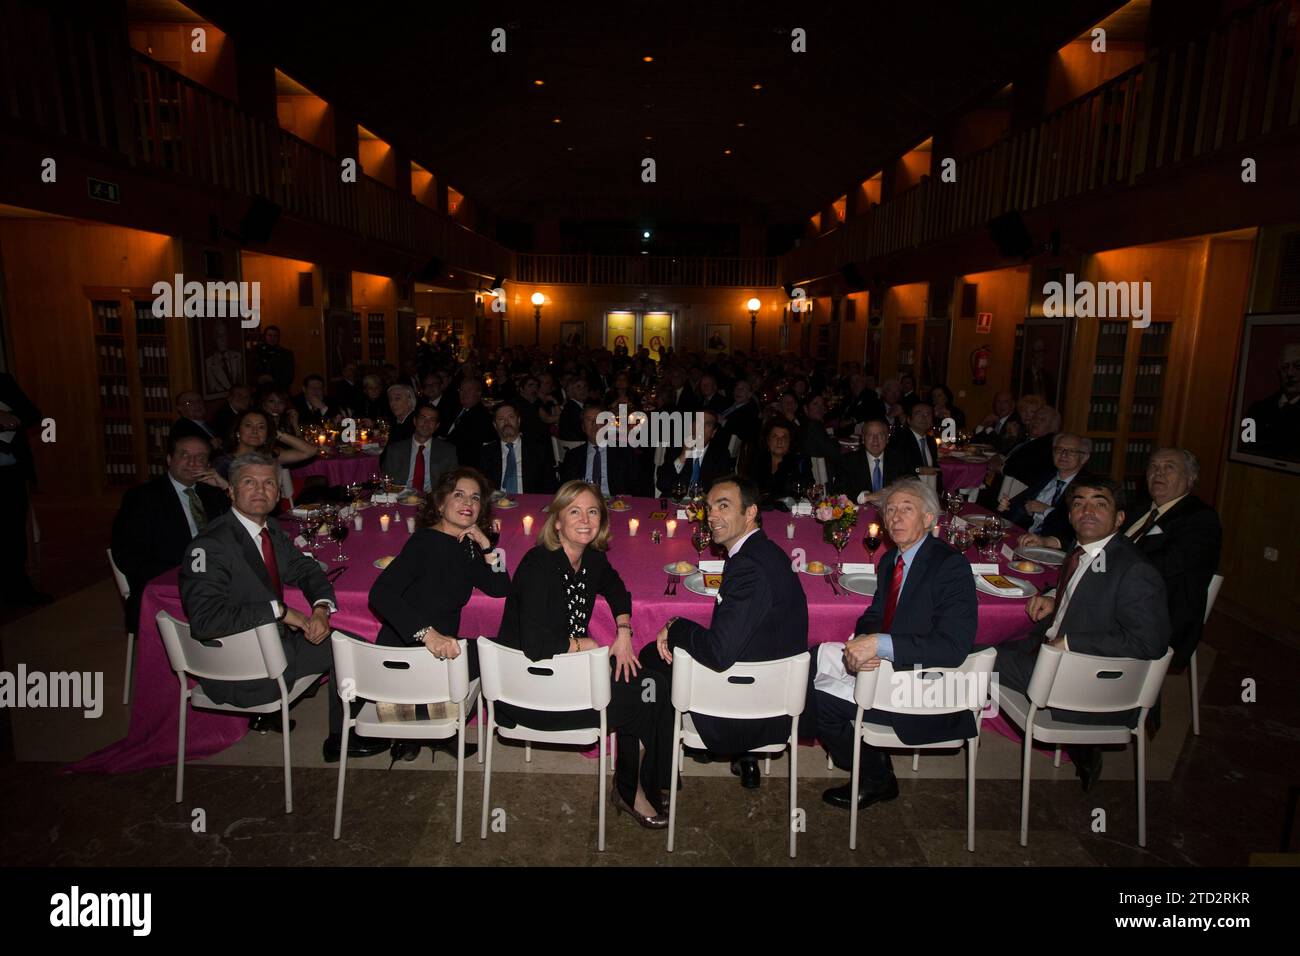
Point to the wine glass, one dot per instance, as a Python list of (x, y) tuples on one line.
[(872, 541), (679, 489), (701, 538), (961, 539), (840, 539), (994, 534), (339, 529)]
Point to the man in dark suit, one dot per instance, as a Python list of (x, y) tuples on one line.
[(233, 578), (159, 518), (761, 615), (1038, 508), (994, 427), (907, 396), (346, 394), (419, 461), (313, 408), (272, 359), (711, 400), (17, 414), (864, 404), (918, 450), (699, 465), (191, 421), (681, 398), (238, 401), (575, 398), (1109, 602), (1179, 534), (874, 467), (471, 424), (516, 464), (1032, 461), (741, 418), (610, 468), (924, 614)]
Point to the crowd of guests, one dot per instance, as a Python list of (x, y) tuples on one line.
[(462, 430)]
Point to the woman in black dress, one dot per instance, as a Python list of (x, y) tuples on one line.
[(776, 468), (547, 613), (420, 595)]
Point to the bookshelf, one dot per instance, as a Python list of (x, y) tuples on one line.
[(375, 333)]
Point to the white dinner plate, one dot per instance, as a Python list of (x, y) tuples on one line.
[(695, 584), (860, 584), (826, 569), (1048, 556), (505, 504), (986, 520), (672, 569), (1027, 590)]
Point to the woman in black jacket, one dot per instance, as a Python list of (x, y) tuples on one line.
[(547, 613), (776, 468), (420, 595)]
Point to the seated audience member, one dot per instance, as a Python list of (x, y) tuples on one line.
[(1180, 534), (537, 412), (238, 400), (907, 397), (776, 469), (280, 411), (941, 399), (789, 413), (711, 400), (864, 404), (610, 468), (741, 418), (401, 401), (890, 394), (1037, 508), (924, 614), (313, 408), (514, 463), (570, 424), (431, 393), (816, 442), (253, 433), (863, 474), (157, 519), (420, 595), (700, 460), (472, 424), (372, 405), (761, 615), (1114, 606), (420, 460), (681, 398), (994, 427), (346, 392), (191, 420), (248, 561), (1030, 461), (548, 613), (918, 450)]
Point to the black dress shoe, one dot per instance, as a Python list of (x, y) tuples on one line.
[(746, 768), (1087, 765), (406, 750), (449, 746), (357, 746), (842, 796), (269, 723)]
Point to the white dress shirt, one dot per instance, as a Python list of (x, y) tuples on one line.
[(415, 453), (518, 445), (255, 532), (731, 551), (592, 452), (924, 443), (1090, 552)]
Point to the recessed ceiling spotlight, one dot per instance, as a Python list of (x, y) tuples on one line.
[(647, 59), (555, 120), (726, 152), (757, 86), (539, 82), (649, 137), (740, 125)]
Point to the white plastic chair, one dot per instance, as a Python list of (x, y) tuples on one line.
[(248, 655), (1212, 594), (819, 471), (402, 675), (557, 451), (745, 691), (1097, 685), (882, 688), (566, 682), (124, 589)]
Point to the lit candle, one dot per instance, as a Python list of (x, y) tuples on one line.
[(528, 524), (383, 522), (873, 530), (356, 522), (789, 530), (672, 528), (632, 525), (410, 526)]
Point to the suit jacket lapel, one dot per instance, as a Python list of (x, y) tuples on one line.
[(252, 554)]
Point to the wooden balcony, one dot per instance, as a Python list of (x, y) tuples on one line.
[(700, 271)]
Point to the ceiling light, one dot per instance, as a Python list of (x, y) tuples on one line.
[(645, 234), (757, 86), (539, 82), (740, 125), (555, 120), (647, 59), (726, 152)]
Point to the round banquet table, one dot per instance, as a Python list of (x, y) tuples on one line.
[(961, 474), (151, 741), (340, 469)]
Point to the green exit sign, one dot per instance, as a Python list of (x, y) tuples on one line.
[(102, 190)]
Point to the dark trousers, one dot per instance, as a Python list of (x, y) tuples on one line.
[(830, 719), (640, 714), (302, 658), (14, 582)]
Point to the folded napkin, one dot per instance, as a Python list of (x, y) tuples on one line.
[(384, 499), (803, 509), (850, 567), (830, 675), (1000, 584)]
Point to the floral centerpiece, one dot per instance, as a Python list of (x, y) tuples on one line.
[(837, 514)]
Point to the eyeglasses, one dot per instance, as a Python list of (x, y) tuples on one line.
[(1072, 452)]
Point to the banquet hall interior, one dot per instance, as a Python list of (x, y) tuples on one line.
[(981, 231)]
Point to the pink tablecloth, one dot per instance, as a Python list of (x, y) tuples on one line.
[(151, 741), (340, 470), (961, 474)]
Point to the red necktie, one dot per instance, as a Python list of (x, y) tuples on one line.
[(895, 587), (418, 480), (268, 555)]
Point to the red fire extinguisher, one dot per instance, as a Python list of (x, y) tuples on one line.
[(979, 364)]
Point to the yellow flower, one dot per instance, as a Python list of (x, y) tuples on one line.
[(837, 512)]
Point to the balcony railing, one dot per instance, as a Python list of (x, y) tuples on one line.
[(61, 80), (645, 270), (1237, 82)]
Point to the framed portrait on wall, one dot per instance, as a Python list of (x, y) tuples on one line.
[(1266, 425), (1040, 365), (717, 337), (218, 354), (573, 334)]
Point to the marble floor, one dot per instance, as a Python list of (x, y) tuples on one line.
[(1215, 799)]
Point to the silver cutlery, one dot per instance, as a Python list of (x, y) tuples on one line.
[(668, 585)]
